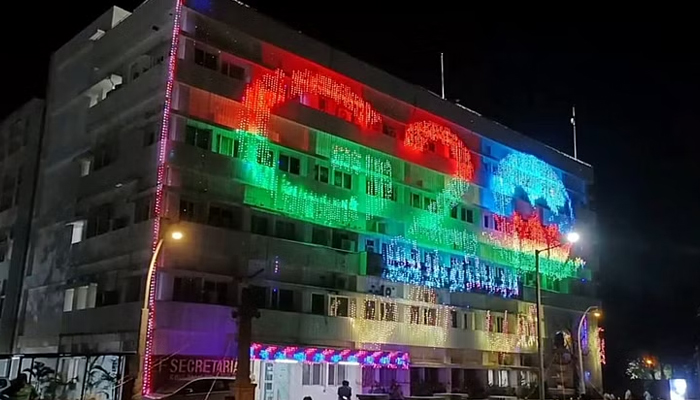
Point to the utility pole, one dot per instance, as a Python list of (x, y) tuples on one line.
[(243, 388)]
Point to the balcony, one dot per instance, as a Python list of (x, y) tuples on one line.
[(108, 319), (133, 94), (287, 327), (122, 242), (210, 80), (227, 252)]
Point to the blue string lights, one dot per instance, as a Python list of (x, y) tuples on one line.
[(406, 263)]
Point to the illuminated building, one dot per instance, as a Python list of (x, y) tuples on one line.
[(391, 233)]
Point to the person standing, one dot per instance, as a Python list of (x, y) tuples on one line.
[(21, 389), (345, 391)]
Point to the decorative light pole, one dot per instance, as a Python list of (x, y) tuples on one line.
[(579, 339)]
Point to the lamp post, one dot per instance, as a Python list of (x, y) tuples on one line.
[(579, 339), (146, 309), (572, 237)]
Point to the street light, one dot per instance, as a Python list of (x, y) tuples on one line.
[(146, 309), (571, 237), (596, 313)]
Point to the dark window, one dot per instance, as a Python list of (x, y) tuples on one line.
[(285, 230), (342, 179), (283, 299), (453, 318), (319, 236), (133, 289), (186, 210), (370, 309), (232, 70), (487, 223), (289, 164), (225, 217), (143, 209), (389, 131), (415, 200), (259, 224), (454, 211), (198, 137), (104, 156), (107, 298), (318, 304), (205, 59), (99, 220), (321, 173)]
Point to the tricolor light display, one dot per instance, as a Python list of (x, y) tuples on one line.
[(365, 358), (431, 250)]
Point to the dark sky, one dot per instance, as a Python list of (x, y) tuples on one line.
[(635, 86)]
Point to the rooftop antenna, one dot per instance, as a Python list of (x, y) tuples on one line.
[(442, 73), (573, 124)]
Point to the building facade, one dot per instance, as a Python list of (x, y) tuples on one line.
[(20, 141), (385, 234)]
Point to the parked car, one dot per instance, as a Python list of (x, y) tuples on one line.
[(210, 388)]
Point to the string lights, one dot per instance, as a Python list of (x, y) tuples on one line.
[(146, 385), (406, 263), (517, 239), (365, 358), (601, 345), (537, 179)]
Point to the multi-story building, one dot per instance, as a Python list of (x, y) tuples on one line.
[(20, 138), (385, 234)]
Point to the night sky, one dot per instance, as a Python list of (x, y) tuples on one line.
[(635, 87)]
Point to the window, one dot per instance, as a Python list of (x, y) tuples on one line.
[(285, 230), (225, 217), (342, 179), (318, 302), (336, 374), (429, 204), (104, 156), (312, 374), (387, 311), (232, 70), (187, 212), (205, 59), (415, 200), (430, 316), (198, 137), (415, 315), (498, 378), (469, 321), (321, 173), (498, 324), (228, 146), (99, 220), (487, 221), (265, 158), (68, 296), (453, 318), (283, 299), (370, 309), (339, 306), (259, 224), (319, 236), (143, 209), (470, 216), (258, 295), (388, 130), (289, 164)]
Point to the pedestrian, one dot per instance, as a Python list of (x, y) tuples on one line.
[(21, 389), (345, 391), (628, 395)]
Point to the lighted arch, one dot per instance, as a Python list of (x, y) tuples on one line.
[(274, 89), (535, 177)]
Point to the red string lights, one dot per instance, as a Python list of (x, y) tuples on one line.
[(274, 89), (530, 234), (420, 134)]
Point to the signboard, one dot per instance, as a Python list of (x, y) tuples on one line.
[(182, 368)]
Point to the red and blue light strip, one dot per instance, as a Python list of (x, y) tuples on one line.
[(364, 358)]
